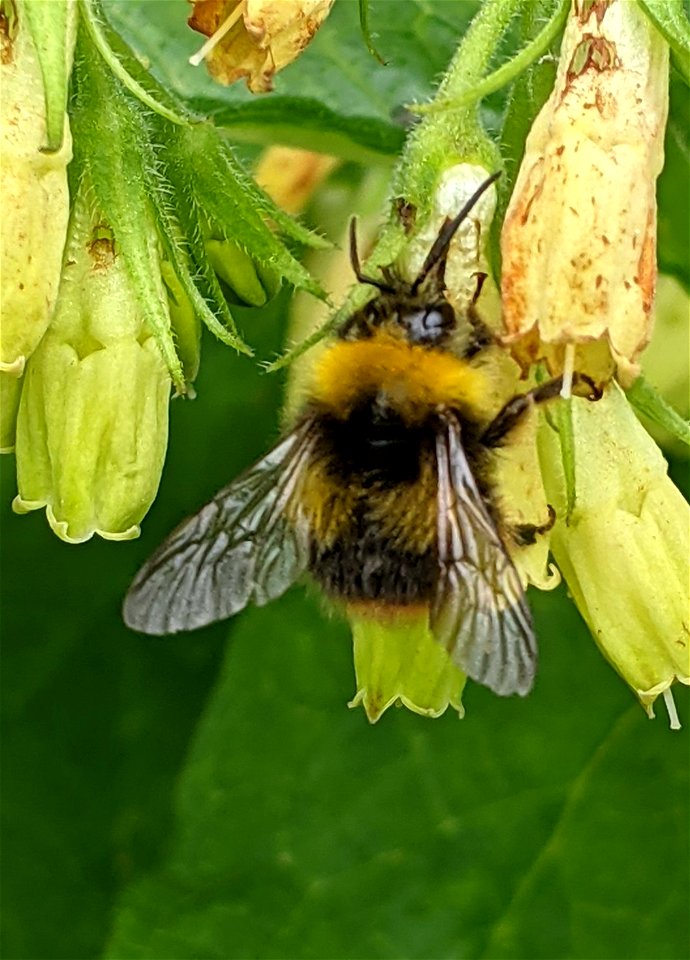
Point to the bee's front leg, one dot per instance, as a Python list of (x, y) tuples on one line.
[(516, 409)]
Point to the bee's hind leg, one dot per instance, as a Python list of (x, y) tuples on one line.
[(514, 411), (525, 534)]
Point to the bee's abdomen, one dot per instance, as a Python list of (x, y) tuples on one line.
[(379, 541), (373, 568)]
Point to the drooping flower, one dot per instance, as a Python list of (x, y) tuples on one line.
[(35, 203), (579, 238), (579, 278), (624, 549), (399, 662), (92, 424), (254, 38)]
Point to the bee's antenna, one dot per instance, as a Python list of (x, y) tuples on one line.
[(354, 260), (440, 246)]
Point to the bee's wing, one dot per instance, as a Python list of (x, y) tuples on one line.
[(479, 612), (240, 548)]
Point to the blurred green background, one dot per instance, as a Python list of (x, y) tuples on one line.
[(211, 795)]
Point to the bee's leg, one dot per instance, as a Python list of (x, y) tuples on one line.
[(524, 534), (514, 411), (481, 336)]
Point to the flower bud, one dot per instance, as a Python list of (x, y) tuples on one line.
[(624, 552), (579, 237), (397, 661), (185, 324), (92, 424), (246, 281), (35, 207), (254, 38)]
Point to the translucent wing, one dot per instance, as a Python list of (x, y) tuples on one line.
[(240, 548), (479, 612)]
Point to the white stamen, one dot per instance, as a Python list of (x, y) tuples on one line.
[(568, 367), (671, 707), (216, 37)]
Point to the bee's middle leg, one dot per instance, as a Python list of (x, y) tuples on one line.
[(516, 409)]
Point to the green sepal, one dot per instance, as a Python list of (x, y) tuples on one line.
[(448, 137), (288, 226), (129, 71), (112, 143), (646, 400), (561, 419), (671, 20), (181, 237), (185, 322), (53, 30), (232, 202)]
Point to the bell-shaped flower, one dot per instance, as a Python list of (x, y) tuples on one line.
[(92, 428), (397, 661), (623, 549), (35, 199), (579, 238)]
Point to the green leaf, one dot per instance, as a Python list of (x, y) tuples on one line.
[(97, 720), (673, 196), (533, 828), (671, 20)]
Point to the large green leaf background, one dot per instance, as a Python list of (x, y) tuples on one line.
[(211, 795)]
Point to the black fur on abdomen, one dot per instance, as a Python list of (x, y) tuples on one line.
[(375, 452)]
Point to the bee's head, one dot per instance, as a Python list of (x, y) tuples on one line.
[(429, 324), (417, 311)]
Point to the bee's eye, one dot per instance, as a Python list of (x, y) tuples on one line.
[(430, 324)]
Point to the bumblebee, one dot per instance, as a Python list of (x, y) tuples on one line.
[(379, 492)]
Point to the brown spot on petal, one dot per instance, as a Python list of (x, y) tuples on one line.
[(592, 53), (646, 269), (8, 31), (585, 8), (524, 217)]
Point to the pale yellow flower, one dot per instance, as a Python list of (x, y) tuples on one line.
[(624, 551), (93, 418), (399, 662), (579, 238), (35, 210)]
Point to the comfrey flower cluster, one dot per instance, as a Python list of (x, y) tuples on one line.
[(111, 261), (578, 281)]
